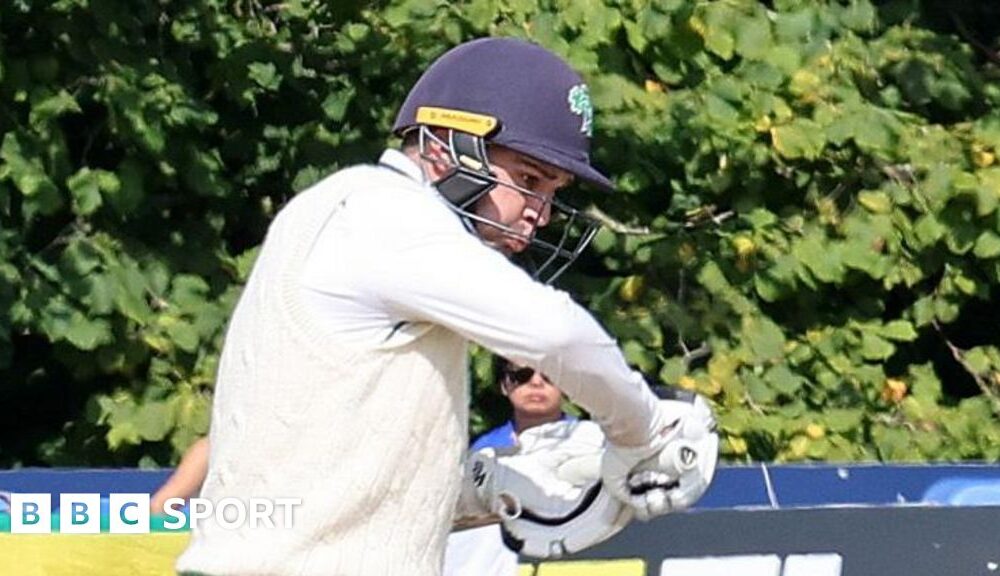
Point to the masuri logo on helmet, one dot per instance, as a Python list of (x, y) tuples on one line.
[(475, 124), (518, 95)]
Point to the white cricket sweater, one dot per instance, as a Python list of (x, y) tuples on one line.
[(369, 438)]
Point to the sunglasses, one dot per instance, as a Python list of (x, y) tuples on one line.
[(519, 376)]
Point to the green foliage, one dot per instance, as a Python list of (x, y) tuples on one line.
[(811, 189), (145, 148)]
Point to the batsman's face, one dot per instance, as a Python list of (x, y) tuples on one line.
[(521, 201)]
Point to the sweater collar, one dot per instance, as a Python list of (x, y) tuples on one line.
[(396, 160)]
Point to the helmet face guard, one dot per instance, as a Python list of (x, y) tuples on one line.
[(521, 96), (550, 250)]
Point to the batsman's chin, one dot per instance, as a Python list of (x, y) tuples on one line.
[(515, 244), (509, 246)]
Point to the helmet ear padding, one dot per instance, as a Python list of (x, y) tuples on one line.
[(468, 180), (463, 187)]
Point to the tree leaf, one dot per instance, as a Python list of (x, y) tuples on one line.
[(799, 139), (784, 381), (29, 175), (265, 75), (820, 258), (52, 107), (764, 338), (753, 37), (877, 202), (336, 103), (874, 347), (130, 294), (85, 333), (759, 390), (87, 186), (898, 330), (154, 420), (987, 245)]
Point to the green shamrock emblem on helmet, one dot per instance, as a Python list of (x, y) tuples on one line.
[(579, 104)]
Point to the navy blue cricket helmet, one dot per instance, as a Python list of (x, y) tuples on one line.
[(540, 105), (518, 95)]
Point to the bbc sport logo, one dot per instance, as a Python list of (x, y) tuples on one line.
[(80, 513)]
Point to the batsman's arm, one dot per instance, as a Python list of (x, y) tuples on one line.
[(496, 304)]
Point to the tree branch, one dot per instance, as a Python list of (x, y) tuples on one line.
[(959, 355), (967, 35), (703, 349), (616, 226)]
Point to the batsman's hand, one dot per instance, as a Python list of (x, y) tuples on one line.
[(548, 495), (675, 469)]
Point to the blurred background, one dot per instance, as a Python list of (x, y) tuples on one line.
[(807, 228)]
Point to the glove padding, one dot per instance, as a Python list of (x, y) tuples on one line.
[(676, 468), (548, 495)]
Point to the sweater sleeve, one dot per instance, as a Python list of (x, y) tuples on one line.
[(446, 276)]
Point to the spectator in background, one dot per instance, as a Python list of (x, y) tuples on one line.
[(534, 401)]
